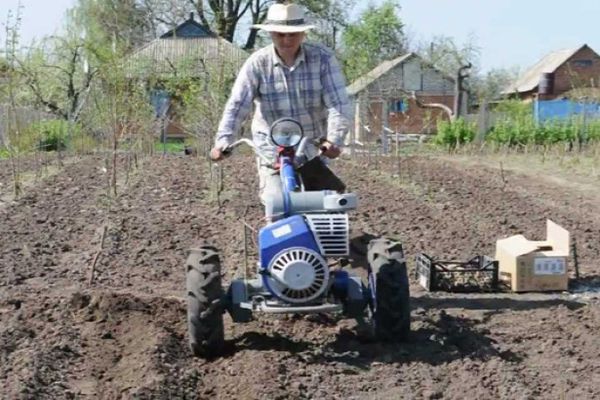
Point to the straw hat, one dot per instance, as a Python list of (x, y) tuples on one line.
[(284, 18)]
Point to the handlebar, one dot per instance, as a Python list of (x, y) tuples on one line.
[(299, 151), (227, 150)]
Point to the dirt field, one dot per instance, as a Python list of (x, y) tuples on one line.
[(124, 336)]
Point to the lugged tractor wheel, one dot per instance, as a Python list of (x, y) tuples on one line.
[(389, 288), (204, 308)]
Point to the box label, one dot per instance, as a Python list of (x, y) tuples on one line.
[(549, 266), (423, 281)]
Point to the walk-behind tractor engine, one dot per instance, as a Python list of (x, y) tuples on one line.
[(296, 251)]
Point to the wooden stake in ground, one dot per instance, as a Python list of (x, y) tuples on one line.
[(97, 256), (575, 258)]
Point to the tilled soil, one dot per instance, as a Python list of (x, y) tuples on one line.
[(92, 289)]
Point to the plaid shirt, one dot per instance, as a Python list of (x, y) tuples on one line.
[(312, 91)]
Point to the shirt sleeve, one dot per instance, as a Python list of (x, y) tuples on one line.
[(336, 100), (239, 104)]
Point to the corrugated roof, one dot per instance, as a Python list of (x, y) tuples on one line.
[(361, 83), (185, 56), (531, 78)]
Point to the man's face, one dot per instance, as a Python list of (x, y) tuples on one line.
[(287, 42)]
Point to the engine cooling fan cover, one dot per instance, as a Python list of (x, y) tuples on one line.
[(297, 275)]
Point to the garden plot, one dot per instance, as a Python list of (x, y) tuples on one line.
[(124, 335)]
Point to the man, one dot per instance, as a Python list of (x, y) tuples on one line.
[(289, 78)]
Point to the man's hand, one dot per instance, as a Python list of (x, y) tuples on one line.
[(216, 154), (330, 150)]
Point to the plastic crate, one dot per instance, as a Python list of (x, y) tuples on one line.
[(479, 274)]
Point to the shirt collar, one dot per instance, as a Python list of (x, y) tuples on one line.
[(278, 61)]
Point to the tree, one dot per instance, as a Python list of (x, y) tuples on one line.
[(111, 23), (133, 22), (330, 18), (130, 23), (377, 36), (489, 86), (460, 62), (4, 67), (58, 76), (447, 56), (223, 15), (258, 14)]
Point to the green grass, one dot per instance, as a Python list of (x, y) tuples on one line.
[(171, 146)]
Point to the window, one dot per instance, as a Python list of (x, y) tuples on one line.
[(582, 63), (399, 106)]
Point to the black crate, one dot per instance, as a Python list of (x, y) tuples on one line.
[(479, 274)]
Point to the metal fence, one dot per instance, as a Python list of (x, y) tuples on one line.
[(563, 109)]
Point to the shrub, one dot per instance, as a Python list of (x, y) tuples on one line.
[(593, 131), (452, 134), (51, 135), (518, 128)]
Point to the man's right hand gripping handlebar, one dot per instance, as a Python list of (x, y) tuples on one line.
[(218, 153)]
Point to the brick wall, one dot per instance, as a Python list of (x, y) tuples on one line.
[(415, 120), (420, 120)]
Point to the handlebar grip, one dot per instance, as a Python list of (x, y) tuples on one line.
[(227, 150)]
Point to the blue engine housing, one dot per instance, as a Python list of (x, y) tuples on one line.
[(284, 234)]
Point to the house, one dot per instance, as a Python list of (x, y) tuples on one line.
[(188, 51), (557, 74), (382, 97)]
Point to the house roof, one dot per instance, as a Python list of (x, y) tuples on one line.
[(185, 56), (364, 81), (189, 28), (361, 83), (187, 50), (530, 79)]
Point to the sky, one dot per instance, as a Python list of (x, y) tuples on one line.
[(40, 17), (509, 33)]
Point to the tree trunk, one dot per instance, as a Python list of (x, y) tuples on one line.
[(251, 40)]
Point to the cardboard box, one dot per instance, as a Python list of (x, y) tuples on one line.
[(529, 265)]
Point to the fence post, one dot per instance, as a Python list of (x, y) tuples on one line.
[(482, 122), (536, 110), (583, 134), (384, 126)]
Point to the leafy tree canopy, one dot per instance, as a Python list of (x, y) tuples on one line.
[(448, 56), (377, 36)]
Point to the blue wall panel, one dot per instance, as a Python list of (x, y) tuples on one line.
[(548, 110)]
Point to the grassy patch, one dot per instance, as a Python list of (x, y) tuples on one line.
[(556, 159), (171, 146)]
